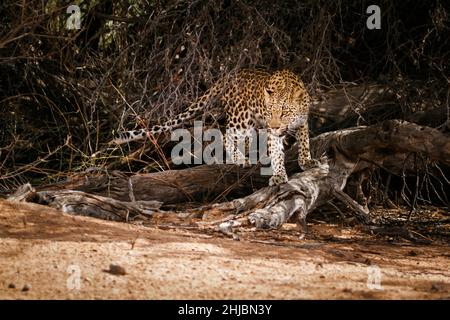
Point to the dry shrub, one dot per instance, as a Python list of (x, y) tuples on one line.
[(135, 63)]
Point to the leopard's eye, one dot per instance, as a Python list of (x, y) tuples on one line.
[(269, 91), (287, 115)]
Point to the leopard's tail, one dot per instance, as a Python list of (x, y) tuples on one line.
[(195, 109)]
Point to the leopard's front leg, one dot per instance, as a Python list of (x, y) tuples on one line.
[(235, 146), (304, 154), (276, 154)]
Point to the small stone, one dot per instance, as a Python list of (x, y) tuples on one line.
[(412, 253), (435, 287), (11, 286), (26, 288), (117, 270)]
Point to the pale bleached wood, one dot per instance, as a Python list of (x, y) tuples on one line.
[(345, 153)]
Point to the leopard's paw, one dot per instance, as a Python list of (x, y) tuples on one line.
[(276, 180), (308, 164), (247, 163)]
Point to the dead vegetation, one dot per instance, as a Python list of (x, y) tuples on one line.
[(63, 92)]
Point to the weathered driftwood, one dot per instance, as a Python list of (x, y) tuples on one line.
[(271, 207), (370, 103), (387, 144), (346, 152), (352, 150), (197, 184), (349, 104), (81, 203)]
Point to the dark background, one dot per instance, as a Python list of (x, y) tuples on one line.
[(133, 63)]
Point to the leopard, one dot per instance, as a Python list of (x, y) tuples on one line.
[(252, 99)]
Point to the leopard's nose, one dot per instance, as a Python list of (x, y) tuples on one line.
[(274, 123), (281, 131)]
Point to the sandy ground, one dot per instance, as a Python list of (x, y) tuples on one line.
[(45, 254)]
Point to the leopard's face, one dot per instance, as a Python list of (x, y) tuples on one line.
[(286, 102)]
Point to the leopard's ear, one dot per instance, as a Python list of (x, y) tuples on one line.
[(268, 92)]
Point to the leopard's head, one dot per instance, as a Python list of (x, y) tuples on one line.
[(286, 101)]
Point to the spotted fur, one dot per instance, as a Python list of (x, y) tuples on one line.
[(256, 99)]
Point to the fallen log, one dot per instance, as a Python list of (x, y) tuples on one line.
[(351, 150), (350, 106), (197, 184), (81, 203), (345, 152), (384, 145)]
